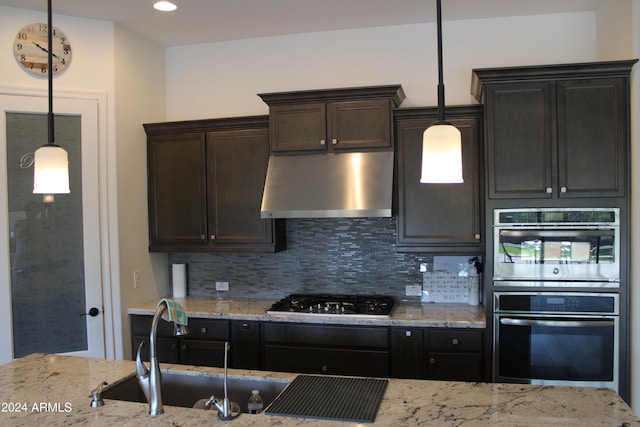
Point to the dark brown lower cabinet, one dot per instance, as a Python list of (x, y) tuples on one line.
[(323, 349), (437, 354), (246, 345), (204, 346), (454, 354)]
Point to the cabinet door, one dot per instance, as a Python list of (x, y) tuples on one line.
[(246, 351), (519, 120), (407, 360), (237, 166), (177, 183), (592, 123), (455, 367), (359, 124), (167, 349), (298, 127), (438, 217), (201, 352)]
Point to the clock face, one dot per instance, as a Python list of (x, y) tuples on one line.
[(31, 49)]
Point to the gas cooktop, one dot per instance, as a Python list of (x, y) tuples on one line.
[(335, 305)]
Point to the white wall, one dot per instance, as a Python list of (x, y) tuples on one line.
[(222, 79), (139, 98)]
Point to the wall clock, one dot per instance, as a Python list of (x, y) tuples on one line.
[(31, 49)]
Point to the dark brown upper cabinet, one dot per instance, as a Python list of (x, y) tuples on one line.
[(438, 217), (556, 131), (332, 120), (205, 183)]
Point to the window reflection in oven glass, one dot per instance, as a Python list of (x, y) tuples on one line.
[(531, 249)]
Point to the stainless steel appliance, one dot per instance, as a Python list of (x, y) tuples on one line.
[(335, 305), (557, 247), (556, 338), (556, 310)]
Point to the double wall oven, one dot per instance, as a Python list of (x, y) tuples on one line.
[(556, 307)]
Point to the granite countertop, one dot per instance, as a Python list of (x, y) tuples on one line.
[(54, 390), (412, 314)]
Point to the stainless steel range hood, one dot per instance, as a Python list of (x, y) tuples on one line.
[(329, 185)]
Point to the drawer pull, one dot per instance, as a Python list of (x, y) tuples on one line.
[(454, 341), (325, 368), (432, 361), (407, 333), (184, 346), (203, 330)]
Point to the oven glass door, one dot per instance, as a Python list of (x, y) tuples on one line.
[(557, 350), (556, 254)]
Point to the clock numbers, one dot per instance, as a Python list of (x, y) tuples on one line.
[(31, 49)]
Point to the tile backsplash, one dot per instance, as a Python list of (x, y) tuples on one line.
[(348, 255)]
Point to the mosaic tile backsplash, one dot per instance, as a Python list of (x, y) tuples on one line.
[(336, 255)]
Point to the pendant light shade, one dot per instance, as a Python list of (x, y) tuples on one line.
[(50, 161), (441, 142), (51, 170), (441, 155)]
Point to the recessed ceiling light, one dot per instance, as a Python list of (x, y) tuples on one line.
[(165, 6)]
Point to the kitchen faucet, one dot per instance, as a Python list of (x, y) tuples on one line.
[(227, 410), (150, 379)]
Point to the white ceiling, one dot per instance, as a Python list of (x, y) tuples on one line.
[(202, 21)]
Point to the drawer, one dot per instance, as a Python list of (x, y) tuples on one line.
[(340, 336), (209, 328), (328, 361), (141, 325), (455, 340)]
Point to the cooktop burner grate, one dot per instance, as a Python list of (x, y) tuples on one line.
[(329, 304)]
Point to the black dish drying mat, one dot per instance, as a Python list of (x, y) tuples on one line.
[(331, 398)]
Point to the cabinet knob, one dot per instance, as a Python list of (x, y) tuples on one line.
[(454, 341), (477, 236), (549, 190), (563, 189), (184, 346), (407, 333), (203, 237), (323, 142), (203, 330), (325, 368), (245, 326), (334, 141), (213, 237), (432, 361), (173, 346)]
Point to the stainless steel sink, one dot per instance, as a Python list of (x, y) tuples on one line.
[(185, 389)]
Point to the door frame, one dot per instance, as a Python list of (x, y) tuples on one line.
[(102, 223)]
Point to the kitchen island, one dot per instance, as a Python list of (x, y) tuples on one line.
[(54, 390)]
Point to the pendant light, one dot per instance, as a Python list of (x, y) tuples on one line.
[(50, 164), (441, 142)]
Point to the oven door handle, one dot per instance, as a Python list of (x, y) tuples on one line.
[(556, 323)]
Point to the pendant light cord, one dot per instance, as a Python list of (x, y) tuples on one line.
[(50, 72), (440, 73)]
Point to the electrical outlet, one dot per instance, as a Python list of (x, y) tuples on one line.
[(413, 290), (136, 279), (222, 286)]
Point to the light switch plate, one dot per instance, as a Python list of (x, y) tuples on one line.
[(413, 290), (222, 286)]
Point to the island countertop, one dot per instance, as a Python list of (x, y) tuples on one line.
[(52, 390), (409, 314)]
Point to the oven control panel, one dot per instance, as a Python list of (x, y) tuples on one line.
[(556, 302)]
